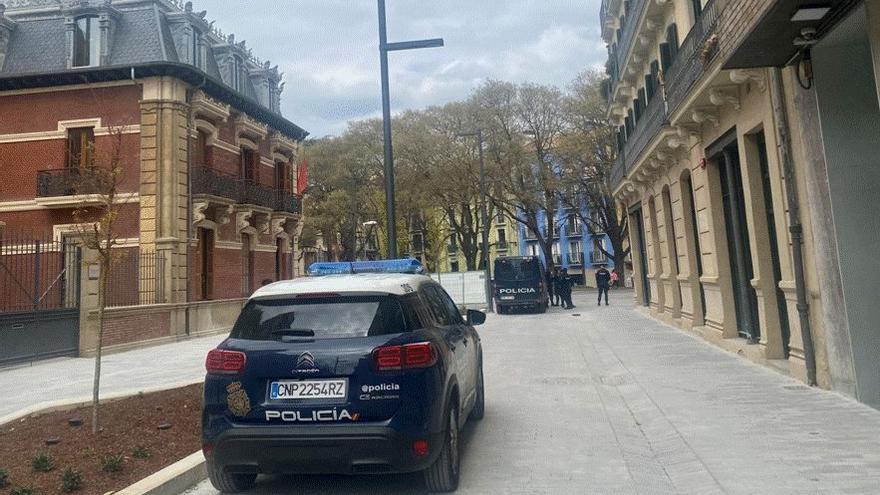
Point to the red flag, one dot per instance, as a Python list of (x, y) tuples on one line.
[(302, 176)]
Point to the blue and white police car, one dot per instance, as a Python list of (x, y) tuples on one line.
[(365, 367)]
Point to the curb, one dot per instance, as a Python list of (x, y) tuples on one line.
[(173, 480), (75, 403)]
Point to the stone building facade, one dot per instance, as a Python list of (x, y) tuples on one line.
[(720, 168), (209, 180)]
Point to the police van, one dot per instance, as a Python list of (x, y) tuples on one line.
[(520, 283), (362, 368)]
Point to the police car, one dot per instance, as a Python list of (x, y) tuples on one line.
[(365, 367)]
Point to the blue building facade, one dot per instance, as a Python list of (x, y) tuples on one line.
[(574, 247)]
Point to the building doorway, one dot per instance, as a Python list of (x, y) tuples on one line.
[(737, 228), (638, 222), (693, 228), (206, 246), (782, 306), (247, 266)]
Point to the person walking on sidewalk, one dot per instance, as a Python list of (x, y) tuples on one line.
[(603, 281), (615, 278), (564, 288)]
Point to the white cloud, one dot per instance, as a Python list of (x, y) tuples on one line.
[(329, 49)]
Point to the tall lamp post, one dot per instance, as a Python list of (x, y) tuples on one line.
[(484, 215), (384, 48)]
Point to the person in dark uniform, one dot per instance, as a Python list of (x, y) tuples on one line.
[(565, 283), (551, 285), (555, 291), (603, 283)]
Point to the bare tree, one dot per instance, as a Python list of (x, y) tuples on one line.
[(100, 173), (524, 124), (588, 151)]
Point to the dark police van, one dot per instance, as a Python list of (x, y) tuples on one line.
[(363, 368), (520, 283)]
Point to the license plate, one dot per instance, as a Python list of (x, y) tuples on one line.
[(508, 298), (309, 389)]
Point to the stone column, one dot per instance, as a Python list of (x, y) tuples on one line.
[(163, 189)]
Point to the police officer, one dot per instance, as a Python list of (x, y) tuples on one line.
[(603, 283), (565, 283), (555, 290)]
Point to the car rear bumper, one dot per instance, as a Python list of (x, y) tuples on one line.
[(511, 303), (352, 449)]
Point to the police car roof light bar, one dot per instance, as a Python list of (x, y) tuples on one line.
[(411, 266)]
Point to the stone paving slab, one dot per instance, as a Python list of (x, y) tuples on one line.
[(71, 378)]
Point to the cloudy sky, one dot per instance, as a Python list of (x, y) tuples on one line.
[(328, 49)]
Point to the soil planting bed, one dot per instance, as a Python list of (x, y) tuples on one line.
[(130, 428)]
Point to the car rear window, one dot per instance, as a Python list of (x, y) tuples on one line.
[(335, 317), (516, 269)]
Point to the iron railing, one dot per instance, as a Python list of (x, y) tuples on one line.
[(627, 38), (288, 203), (693, 56), (206, 180), (69, 182), (38, 273), (136, 278), (575, 258)]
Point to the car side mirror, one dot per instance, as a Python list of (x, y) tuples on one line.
[(475, 317)]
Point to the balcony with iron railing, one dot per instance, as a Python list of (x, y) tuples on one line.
[(72, 181), (626, 43), (598, 258), (211, 182), (693, 59)]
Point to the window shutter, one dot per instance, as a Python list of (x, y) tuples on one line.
[(655, 76), (637, 108), (649, 86), (665, 57), (643, 99), (672, 39)]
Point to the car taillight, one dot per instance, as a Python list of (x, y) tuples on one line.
[(223, 361), (403, 357)]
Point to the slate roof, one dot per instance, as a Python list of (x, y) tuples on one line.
[(142, 35)]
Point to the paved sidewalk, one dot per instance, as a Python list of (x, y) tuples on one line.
[(71, 378), (607, 401)]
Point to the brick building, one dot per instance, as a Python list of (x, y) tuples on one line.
[(209, 183), (744, 127)]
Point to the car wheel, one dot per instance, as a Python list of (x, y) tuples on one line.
[(479, 409), (442, 476), (229, 482)]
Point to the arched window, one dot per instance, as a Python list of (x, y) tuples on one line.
[(86, 42)]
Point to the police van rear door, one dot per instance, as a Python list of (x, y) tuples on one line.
[(517, 280)]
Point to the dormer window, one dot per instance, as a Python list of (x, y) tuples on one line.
[(86, 42), (237, 73), (197, 48)]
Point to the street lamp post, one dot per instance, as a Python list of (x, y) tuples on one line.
[(384, 48), (484, 215)]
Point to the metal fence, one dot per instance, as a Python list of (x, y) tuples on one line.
[(466, 289), (38, 273), (136, 278)]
